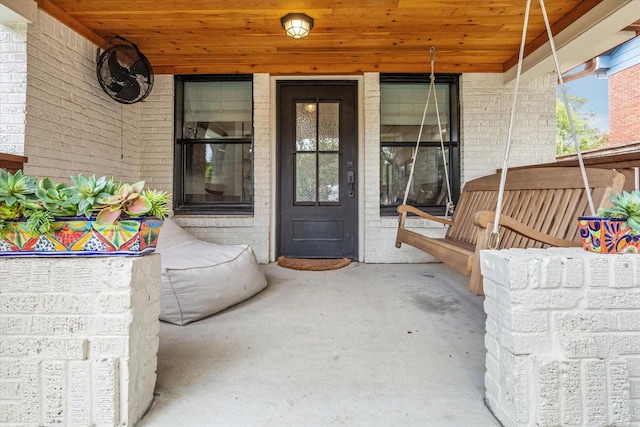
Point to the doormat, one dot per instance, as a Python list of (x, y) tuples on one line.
[(313, 264)]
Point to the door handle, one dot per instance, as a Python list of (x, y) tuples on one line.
[(351, 179)]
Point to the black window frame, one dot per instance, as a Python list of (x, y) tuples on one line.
[(181, 207), (454, 145)]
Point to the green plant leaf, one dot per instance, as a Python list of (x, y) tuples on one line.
[(107, 216)]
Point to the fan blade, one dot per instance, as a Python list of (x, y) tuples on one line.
[(140, 67), (117, 71), (131, 90), (115, 87)]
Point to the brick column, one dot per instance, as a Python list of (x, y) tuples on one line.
[(79, 339), (562, 337)]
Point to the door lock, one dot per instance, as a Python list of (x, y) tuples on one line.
[(351, 179)]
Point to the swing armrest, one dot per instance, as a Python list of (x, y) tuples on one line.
[(485, 218), (404, 209)]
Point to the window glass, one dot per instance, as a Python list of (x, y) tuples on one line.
[(217, 110), (402, 108), (427, 186), (218, 173)]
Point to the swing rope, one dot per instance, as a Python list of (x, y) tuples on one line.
[(494, 237), (565, 98), (449, 206)]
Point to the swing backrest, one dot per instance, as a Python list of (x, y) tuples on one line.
[(549, 200)]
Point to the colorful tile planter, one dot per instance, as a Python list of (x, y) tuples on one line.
[(83, 237), (608, 235)]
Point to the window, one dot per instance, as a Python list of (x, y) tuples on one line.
[(402, 101), (214, 152)]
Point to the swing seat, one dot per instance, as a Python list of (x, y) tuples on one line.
[(540, 209)]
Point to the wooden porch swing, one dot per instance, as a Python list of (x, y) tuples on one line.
[(533, 208)]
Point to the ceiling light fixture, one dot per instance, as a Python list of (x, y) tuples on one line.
[(297, 25)]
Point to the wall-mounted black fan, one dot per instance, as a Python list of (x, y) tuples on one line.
[(124, 72)]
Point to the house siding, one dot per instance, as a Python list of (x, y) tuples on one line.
[(73, 126), (624, 108)]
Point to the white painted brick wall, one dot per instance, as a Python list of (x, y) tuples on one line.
[(79, 339), (13, 87), (156, 133), (485, 103), (562, 337), (71, 124)]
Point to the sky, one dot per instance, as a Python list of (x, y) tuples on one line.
[(595, 92)]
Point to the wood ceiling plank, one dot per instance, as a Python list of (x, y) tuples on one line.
[(383, 35)]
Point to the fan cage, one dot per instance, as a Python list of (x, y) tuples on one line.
[(124, 73)]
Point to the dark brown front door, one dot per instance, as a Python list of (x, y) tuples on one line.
[(317, 169)]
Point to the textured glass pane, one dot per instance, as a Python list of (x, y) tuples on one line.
[(306, 126), (217, 110), (328, 176), (428, 186), (305, 177), (218, 173), (329, 118), (402, 107)]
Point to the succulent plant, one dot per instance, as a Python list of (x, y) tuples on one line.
[(17, 191), (39, 221), (127, 199), (56, 198), (159, 201), (625, 205), (88, 193), (41, 202)]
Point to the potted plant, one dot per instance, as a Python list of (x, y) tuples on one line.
[(93, 216), (615, 229)]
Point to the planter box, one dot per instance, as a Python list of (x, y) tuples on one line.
[(83, 237), (608, 235)]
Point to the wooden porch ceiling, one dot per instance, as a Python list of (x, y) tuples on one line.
[(349, 36)]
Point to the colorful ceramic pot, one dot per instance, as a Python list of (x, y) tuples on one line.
[(608, 235), (83, 237)]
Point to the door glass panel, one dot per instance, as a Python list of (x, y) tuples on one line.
[(328, 176), (306, 177), (306, 126), (317, 157), (329, 119)]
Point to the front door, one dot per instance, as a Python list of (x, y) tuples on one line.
[(317, 169)]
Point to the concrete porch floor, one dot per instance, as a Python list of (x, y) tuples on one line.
[(367, 345)]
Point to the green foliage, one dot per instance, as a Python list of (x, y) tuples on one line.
[(625, 205), (41, 202), (127, 199), (39, 222), (159, 202), (16, 188), (588, 137), (56, 198), (89, 192)]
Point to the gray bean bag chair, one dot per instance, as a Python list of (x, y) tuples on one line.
[(200, 278)]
